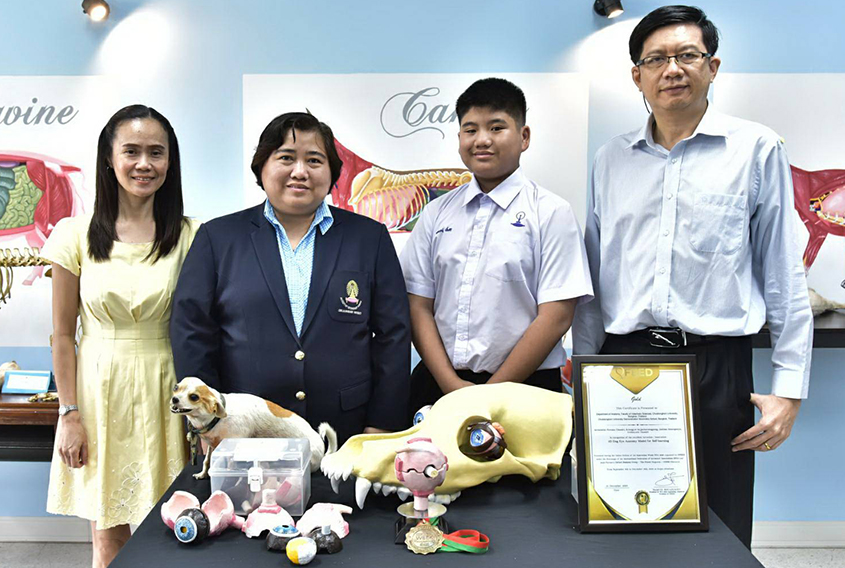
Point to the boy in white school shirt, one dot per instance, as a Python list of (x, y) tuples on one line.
[(494, 268)]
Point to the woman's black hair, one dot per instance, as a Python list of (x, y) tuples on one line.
[(168, 211), (276, 131)]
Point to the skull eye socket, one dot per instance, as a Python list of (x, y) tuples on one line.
[(482, 440), (421, 414)]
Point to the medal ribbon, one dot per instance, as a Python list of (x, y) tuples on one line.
[(466, 540)]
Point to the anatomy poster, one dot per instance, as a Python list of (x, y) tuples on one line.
[(48, 147), (807, 112), (397, 135)]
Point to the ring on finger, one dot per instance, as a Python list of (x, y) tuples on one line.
[(768, 447)]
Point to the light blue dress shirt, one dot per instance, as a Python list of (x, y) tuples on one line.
[(701, 237), (488, 261), (298, 264)]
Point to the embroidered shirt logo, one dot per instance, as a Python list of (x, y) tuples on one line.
[(519, 217), (351, 301), (443, 230)]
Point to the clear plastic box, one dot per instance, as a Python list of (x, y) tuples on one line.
[(244, 467)]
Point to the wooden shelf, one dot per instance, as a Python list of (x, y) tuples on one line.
[(15, 409), (27, 429)]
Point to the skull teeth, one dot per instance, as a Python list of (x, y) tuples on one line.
[(403, 493), (445, 498), (362, 487), (334, 473)]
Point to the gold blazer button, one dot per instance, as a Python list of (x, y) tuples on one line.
[(299, 355), (300, 395)]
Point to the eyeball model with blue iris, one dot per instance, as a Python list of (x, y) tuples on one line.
[(483, 441), (421, 414), (279, 537), (191, 526)]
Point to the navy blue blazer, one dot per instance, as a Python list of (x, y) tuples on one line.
[(232, 324)]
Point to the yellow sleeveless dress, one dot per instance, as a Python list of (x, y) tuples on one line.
[(124, 379)]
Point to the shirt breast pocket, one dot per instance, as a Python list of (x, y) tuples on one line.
[(509, 257), (348, 296), (718, 222)]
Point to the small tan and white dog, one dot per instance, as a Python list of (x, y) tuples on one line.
[(215, 416)]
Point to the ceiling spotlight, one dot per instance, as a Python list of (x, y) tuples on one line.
[(97, 10), (608, 8)]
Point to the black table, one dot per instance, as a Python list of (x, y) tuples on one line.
[(529, 524)]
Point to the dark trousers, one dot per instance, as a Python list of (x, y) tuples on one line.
[(424, 388), (725, 385)]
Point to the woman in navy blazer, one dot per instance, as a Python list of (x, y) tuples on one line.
[(295, 301)]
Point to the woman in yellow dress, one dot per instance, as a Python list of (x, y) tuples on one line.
[(117, 445)]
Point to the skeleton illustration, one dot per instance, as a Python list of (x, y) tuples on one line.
[(820, 202), (537, 425), (35, 193), (395, 198)]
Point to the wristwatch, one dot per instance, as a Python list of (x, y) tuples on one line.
[(65, 408)]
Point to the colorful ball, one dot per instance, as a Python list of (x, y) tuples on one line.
[(302, 550)]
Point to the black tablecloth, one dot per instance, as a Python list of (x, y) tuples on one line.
[(528, 524)]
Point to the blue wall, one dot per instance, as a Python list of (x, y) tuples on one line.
[(192, 54)]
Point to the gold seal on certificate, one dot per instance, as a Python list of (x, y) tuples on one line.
[(637, 443), (643, 500)]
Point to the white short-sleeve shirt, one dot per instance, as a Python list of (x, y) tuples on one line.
[(488, 261)]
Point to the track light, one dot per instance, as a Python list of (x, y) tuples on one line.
[(97, 10), (608, 8)]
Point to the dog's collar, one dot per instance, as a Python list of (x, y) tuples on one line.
[(210, 425)]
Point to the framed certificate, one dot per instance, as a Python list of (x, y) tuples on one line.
[(638, 443)]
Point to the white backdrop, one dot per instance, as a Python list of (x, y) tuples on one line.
[(402, 122), (807, 111), (25, 320)]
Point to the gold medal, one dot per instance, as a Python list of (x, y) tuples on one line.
[(642, 498), (424, 539)]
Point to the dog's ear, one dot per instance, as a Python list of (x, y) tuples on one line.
[(219, 411)]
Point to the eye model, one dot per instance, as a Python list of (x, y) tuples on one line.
[(484, 441), (421, 414)]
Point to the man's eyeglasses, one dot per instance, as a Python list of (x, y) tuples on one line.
[(687, 59)]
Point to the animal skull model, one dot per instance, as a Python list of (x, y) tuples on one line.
[(537, 425)]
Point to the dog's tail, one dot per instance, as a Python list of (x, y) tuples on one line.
[(329, 437)]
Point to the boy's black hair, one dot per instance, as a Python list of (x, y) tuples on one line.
[(496, 94), (668, 16)]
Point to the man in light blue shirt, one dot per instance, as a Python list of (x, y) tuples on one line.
[(692, 248)]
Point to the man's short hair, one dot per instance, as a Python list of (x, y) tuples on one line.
[(668, 16), (496, 94)]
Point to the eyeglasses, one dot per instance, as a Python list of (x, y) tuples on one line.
[(687, 59)]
